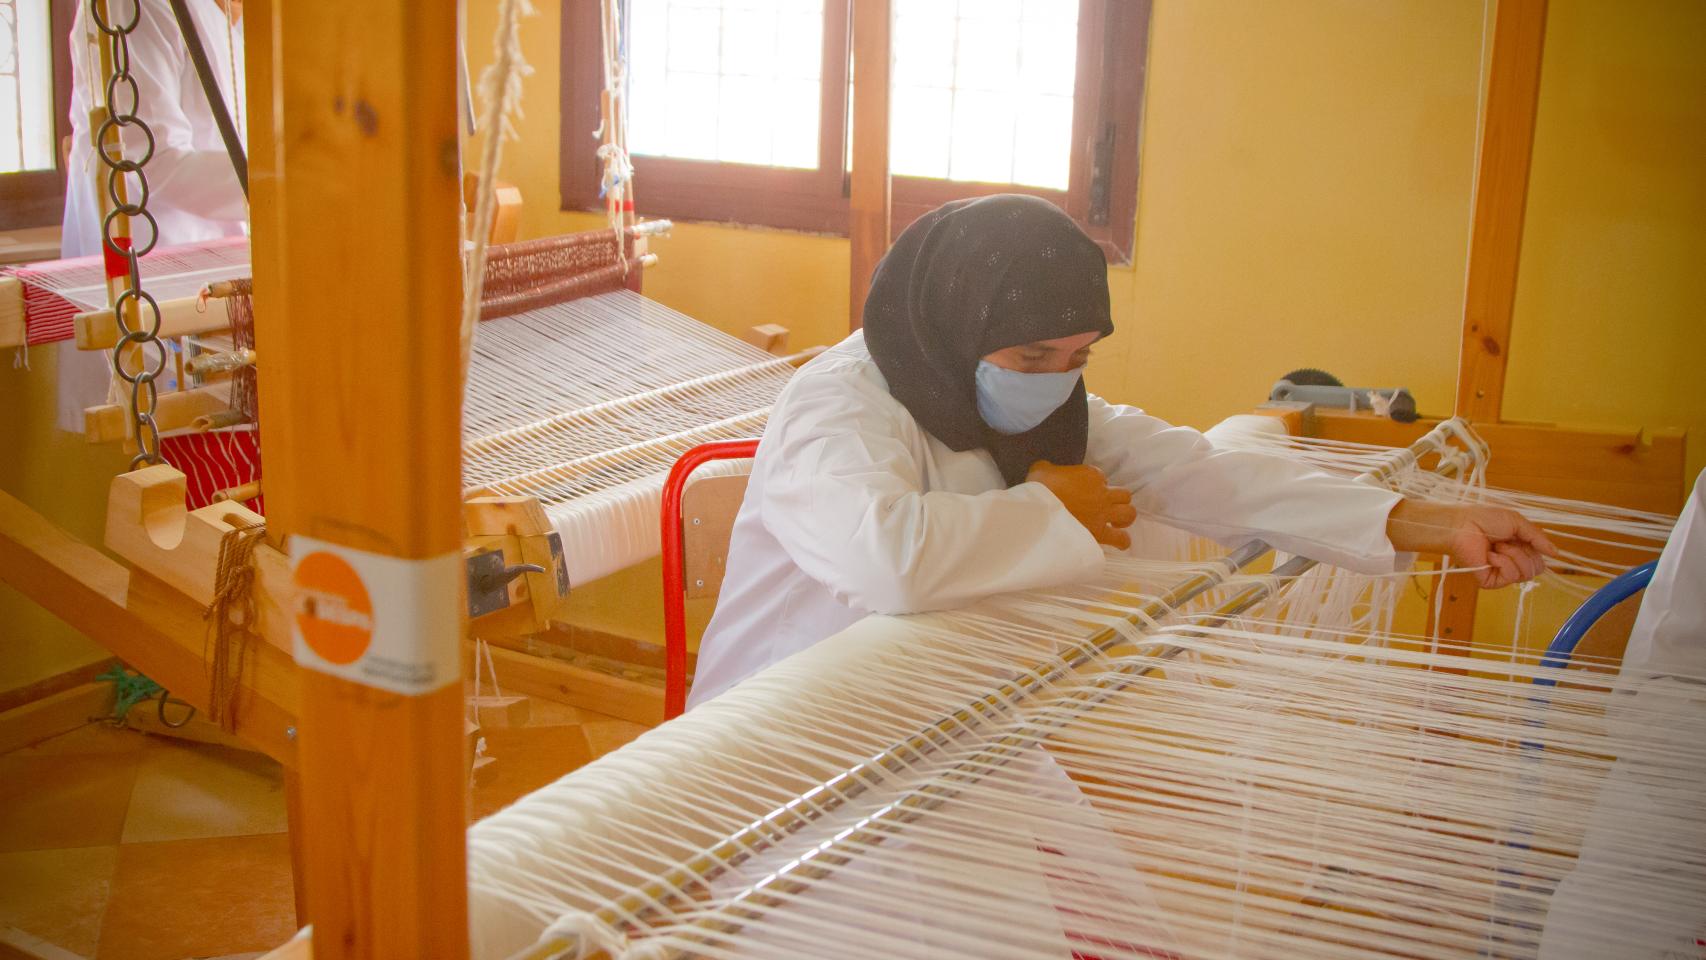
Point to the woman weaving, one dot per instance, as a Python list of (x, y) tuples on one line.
[(949, 451)]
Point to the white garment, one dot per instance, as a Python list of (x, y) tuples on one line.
[(1657, 910), (853, 509), (1669, 635), (192, 191)]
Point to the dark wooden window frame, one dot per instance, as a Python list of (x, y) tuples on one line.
[(1113, 40), (36, 198)]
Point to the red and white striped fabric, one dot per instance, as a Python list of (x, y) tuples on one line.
[(55, 291), (47, 315), (215, 461)]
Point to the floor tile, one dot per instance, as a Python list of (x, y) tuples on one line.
[(51, 802), (527, 759), (190, 791), (57, 895), (199, 898)]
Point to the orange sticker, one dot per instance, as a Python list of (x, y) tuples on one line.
[(333, 610)]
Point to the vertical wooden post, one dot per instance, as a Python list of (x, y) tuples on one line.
[(1501, 196), (259, 30), (1495, 247), (868, 216), (358, 277)]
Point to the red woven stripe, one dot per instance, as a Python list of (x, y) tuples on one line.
[(118, 265), (216, 461), (47, 315)]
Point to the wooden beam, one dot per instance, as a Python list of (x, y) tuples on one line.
[(182, 317), (176, 410), (143, 621), (1625, 467), (868, 217), (1501, 196), (298, 847), (562, 682), (53, 715), (1451, 612), (58, 683), (363, 233), (13, 331)]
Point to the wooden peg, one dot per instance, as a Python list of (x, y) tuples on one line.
[(769, 337)]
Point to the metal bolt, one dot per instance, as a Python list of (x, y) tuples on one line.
[(290, 733), (698, 583), (695, 521)]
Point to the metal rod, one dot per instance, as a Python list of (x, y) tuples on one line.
[(210, 89), (853, 782)]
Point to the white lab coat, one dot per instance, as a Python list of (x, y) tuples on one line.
[(192, 191), (853, 508), (1661, 912)]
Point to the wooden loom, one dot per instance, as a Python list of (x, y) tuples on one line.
[(157, 625), (1636, 468), (383, 863)]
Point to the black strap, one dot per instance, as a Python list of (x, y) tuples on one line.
[(210, 88)]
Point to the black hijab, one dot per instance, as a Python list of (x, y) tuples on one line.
[(973, 277)]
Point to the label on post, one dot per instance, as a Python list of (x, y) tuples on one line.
[(381, 621)]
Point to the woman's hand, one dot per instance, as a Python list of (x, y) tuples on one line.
[(1508, 547), (1103, 510)]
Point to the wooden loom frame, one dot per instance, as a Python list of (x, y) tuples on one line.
[(369, 123)]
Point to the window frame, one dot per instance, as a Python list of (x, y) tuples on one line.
[(36, 198), (1107, 98)]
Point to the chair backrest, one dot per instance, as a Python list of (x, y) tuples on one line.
[(1616, 590), (697, 521)]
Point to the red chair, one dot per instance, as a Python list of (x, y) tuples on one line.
[(674, 565)]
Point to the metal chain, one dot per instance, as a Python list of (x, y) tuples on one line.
[(133, 302)]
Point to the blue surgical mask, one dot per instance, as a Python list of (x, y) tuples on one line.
[(1014, 402)]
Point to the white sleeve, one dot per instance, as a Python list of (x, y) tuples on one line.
[(1669, 636), (843, 493), (199, 182), (1177, 475)]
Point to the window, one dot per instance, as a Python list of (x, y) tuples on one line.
[(738, 110), (35, 104)]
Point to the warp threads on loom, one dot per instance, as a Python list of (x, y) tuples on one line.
[(232, 621), (240, 311)]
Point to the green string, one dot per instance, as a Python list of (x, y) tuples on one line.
[(130, 689)]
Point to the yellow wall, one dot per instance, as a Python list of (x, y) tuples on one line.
[(66, 480), (1611, 299)]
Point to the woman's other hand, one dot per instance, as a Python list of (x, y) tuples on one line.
[(1103, 510), (1501, 542)]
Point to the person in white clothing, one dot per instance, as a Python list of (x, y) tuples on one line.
[(949, 451), (193, 192), (1638, 887)]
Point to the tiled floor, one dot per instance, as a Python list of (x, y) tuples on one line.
[(117, 845)]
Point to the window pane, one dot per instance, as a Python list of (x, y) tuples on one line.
[(983, 137), (730, 80), (26, 86), (1044, 124), (923, 123), (983, 90)]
